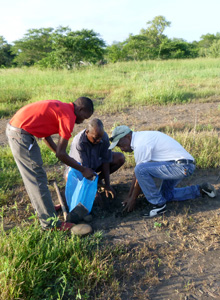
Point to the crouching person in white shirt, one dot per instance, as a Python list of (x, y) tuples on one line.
[(157, 155)]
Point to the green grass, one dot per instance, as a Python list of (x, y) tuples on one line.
[(51, 265), (9, 174), (115, 86)]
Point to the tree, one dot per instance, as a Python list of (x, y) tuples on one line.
[(147, 44), (178, 48), (35, 45), (214, 50), (70, 48), (206, 42), (138, 47), (6, 56), (115, 52), (155, 33)]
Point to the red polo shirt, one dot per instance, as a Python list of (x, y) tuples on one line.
[(45, 118)]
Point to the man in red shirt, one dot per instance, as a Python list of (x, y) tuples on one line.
[(43, 119)]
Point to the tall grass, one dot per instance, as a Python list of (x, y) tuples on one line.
[(115, 86)]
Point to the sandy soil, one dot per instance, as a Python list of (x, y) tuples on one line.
[(184, 243)]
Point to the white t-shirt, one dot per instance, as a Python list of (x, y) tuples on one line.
[(156, 146)]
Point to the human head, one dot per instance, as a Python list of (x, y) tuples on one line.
[(121, 137), (95, 131), (83, 109)]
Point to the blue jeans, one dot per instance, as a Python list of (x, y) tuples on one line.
[(171, 174)]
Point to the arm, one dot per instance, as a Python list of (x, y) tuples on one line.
[(135, 190), (50, 143), (106, 177), (106, 155), (61, 154)]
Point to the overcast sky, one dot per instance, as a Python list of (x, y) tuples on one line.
[(114, 20)]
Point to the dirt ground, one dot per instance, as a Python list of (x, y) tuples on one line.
[(181, 256)]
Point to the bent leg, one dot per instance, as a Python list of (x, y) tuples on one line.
[(171, 193), (143, 173), (118, 159), (171, 174)]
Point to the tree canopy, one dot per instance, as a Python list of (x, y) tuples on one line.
[(6, 56), (64, 48), (71, 48)]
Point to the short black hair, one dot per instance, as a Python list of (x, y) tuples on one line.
[(86, 103), (96, 123)]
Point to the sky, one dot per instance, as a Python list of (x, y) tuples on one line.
[(113, 20)]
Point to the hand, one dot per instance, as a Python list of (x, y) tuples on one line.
[(129, 204), (88, 173), (109, 191)]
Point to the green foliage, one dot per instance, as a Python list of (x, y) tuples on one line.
[(114, 87), (151, 43), (204, 147), (9, 174), (178, 48), (38, 264), (35, 45), (115, 53), (63, 48), (158, 25), (146, 45), (209, 45), (207, 40), (8, 171), (138, 47), (6, 56), (214, 50), (66, 49), (48, 156), (72, 48)]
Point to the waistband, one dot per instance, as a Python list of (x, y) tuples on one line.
[(184, 161), (16, 129)]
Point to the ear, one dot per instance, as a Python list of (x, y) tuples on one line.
[(87, 131)]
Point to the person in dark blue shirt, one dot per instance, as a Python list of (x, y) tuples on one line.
[(90, 148)]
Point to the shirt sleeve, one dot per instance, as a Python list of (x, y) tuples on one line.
[(66, 127), (78, 151), (83, 157)]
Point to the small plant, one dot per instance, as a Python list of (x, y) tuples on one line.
[(157, 225), (159, 261)]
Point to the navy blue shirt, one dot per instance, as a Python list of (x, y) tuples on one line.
[(88, 154)]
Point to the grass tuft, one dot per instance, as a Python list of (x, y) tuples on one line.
[(38, 264)]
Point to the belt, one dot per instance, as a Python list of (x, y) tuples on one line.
[(184, 161), (16, 129)]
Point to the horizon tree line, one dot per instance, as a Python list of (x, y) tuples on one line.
[(62, 48)]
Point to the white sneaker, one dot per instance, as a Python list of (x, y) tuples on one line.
[(208, 189), (157, 210)]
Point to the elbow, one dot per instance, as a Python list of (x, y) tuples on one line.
[(61, 155)]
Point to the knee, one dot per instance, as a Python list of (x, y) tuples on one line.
[(140, 170), (121, 159), (118, 159), (137, 170)]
